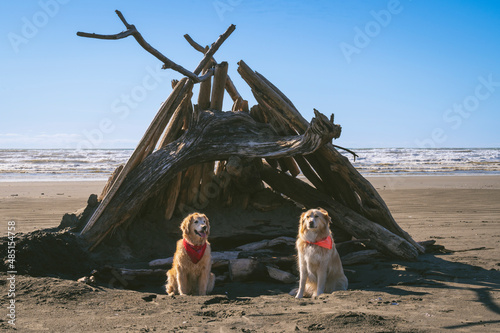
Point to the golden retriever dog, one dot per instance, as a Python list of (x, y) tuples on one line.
[(190, 273), (319, 263)]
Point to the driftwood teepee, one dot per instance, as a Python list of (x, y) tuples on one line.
[(188, 150)]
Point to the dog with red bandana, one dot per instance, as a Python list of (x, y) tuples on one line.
[(319, 262), (191, 269)]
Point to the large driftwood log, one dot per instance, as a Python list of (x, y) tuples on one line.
[(242, 269), (220, 77), (267, 243), (354, 223), (280, 275), (211, 136), (360, 257)]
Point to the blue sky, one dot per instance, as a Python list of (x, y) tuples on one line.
[(395, 73)]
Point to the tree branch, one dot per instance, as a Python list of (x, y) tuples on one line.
[(230, 87), (215, 46), (132, 31)]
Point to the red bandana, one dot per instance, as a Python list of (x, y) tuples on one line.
[(327, 242), (195, 252)]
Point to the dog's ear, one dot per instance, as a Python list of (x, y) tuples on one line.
[(301, 222), (185, 224), (302, 217), (207, 222), (325, 214)]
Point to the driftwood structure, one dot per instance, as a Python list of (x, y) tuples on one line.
[(190, 152)]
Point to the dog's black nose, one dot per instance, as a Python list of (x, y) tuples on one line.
[(204, 228), (311, 224)]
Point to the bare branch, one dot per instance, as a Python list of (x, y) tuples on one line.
[(132, 31), (120, 35), (215, 46), (230, 87), (195, 45), (122, 18), (347, 150)]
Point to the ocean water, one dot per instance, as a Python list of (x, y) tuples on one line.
[(65, 165)]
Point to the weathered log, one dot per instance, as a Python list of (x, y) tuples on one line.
[(176, 123), (346, 182), (172, 193), (204, 94), (274, 99), (242, 269), (309, 173), (244, 174), (224, 255), (161, 262), (211, 136), (266, 243), (360, 257), (189, 188), (240, 105), (157, 125), (111, 181), (354, 223), (132, 273), (264, 113), (221, 256), (207, 185), (279, 275), (219, 86), (291, 166)]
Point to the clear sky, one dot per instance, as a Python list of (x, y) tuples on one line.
[(395, 73)]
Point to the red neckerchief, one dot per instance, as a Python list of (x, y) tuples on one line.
[(195, 252), (327, 242)]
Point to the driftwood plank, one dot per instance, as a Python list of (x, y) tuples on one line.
[(175, 126), (110, 182), (267, 243), (360, 257), (218, 89), (242, 269), (172, 190), (280, 275)]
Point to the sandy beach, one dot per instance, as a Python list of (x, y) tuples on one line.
[(456, 291)]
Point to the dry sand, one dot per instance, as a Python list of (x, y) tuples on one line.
[(458, 291)]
